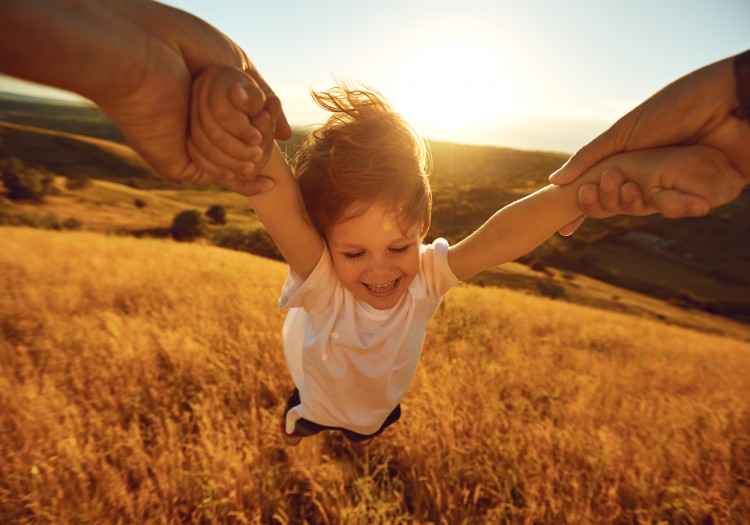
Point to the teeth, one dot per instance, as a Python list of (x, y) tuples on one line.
[(380, 288)]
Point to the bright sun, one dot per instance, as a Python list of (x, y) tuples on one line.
[(452, 84)]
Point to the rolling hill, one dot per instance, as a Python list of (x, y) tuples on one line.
[(695, 264)]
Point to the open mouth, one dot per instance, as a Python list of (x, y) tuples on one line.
[(382, 289)]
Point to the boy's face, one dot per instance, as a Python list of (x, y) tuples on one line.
[(373, 258)]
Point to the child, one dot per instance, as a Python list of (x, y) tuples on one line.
[(350, 220)]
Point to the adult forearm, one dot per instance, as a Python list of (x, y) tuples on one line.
[(135, 58), (199, 43), (78, 45)]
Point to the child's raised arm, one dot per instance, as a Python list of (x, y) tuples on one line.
[(516, 229), (228, 126), (282, 211)]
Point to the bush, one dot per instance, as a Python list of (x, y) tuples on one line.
[(139, 203), (77, 182), (23, 182), (217, 214), (45, 221), (257, 242), (71, 223), (187, 225)]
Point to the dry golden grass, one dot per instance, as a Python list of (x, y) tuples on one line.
[(142, 382)]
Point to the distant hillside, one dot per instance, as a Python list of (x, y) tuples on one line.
[(81, 119), (695, 263)]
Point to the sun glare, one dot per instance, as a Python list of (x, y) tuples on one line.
[(453, 83)]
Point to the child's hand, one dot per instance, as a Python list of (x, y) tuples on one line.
[(231, 125), (677, 182)]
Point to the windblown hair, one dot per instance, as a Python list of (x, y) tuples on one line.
[(365, 153)]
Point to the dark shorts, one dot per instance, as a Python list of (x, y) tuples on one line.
[(305, 427)]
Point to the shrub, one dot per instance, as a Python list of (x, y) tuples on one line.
[(551, 289), (257, 242), (45, 221), (77, 182), (71, 223), (139, 203), (217, 214), (23, 182), (187, 225)]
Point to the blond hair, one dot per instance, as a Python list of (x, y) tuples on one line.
[(365, 153)]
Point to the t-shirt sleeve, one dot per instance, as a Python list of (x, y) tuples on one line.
[(439, 278), (315, 290)]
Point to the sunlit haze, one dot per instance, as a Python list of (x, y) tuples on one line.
[(534, 75)]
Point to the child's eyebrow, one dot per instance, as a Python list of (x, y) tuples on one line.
[(346, 245)]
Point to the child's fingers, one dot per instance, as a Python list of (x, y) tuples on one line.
[(247, 97), (571, 227), (216, 145), (216, 151), (222, 132), (223, 127), (631, 200), (207, 165), (233, 116), (610, 183), (589, 203), (674, 203)]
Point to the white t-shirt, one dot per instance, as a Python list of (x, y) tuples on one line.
[(351, 362)]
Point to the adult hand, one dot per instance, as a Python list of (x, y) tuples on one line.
[(134, 58), (695, 109), (678, 182)]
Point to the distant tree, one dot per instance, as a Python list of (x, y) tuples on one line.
[(71, 223), (23, 182), (257, 242), (77, 182), (139, 203), (187, 225), (217, 214)]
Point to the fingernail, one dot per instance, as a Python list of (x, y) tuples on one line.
[(262, 119), (557, 175), (607, 180), (244, 95)]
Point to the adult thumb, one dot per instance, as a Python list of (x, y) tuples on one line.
[(608, 143)]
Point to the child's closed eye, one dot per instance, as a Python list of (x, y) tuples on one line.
[(401, 249), (353, 255)]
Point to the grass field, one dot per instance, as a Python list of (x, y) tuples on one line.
[(141, 381)]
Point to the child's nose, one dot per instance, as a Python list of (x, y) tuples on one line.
[(381, 265)]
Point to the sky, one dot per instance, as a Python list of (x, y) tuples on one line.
[(535, 74)]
